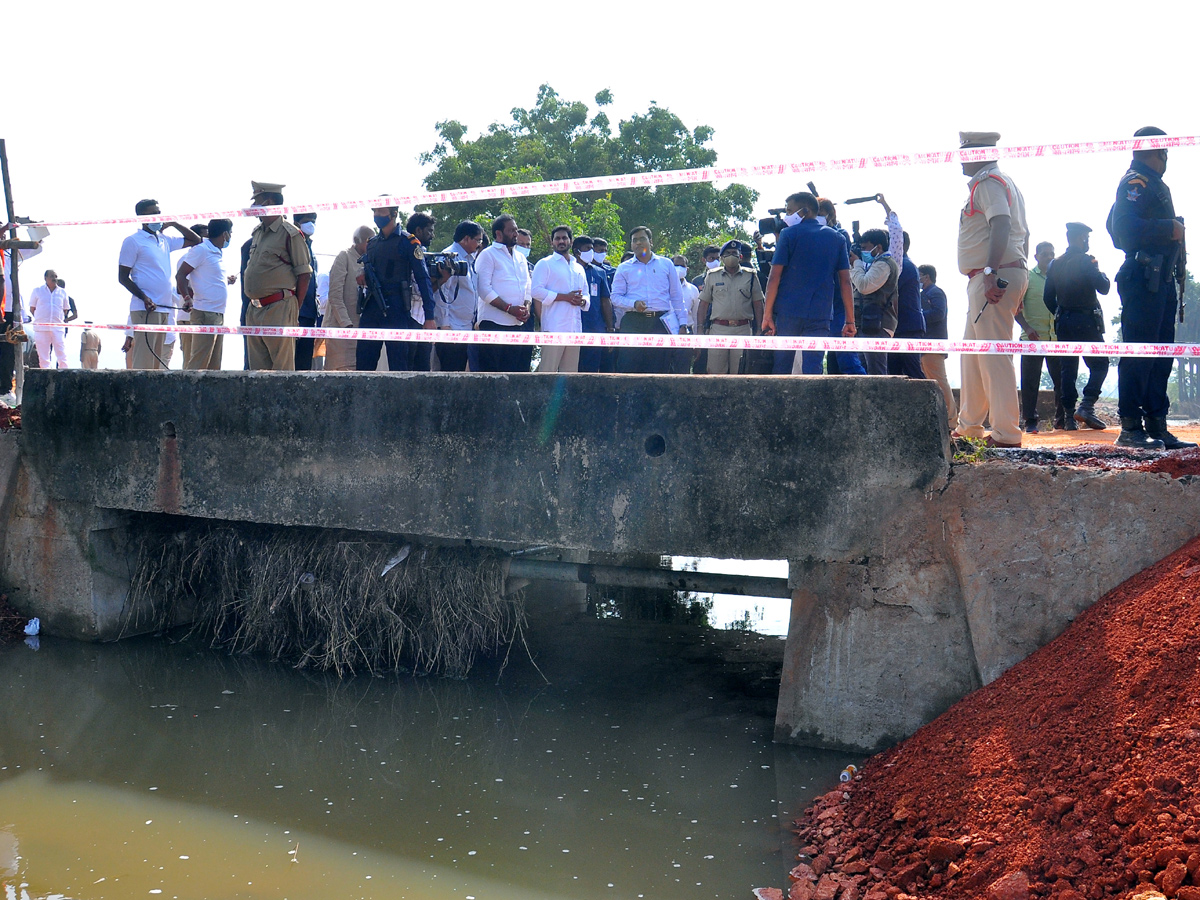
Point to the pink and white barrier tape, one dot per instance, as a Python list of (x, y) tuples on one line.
[(695, 341), (672, 176)]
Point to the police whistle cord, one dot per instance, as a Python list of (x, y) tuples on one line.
[(671, 176), (679, 341)]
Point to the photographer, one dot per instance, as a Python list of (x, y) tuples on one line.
[(457, 295), (809, 261), (875, 276)]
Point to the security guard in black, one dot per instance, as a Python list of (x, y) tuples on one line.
[(394, 261), (1143, 224)]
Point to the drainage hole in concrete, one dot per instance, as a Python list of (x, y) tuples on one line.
[(169, 429), (656, 445)]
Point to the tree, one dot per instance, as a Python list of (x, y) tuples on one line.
[(1187, 369), (558, 139)]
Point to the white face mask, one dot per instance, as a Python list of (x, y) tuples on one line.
[(308, 228), (587, 255), (598, 256), (681, 271), (821, 220), (792, 219), (712, 264), (524, 251)]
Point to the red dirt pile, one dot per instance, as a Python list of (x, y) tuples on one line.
[(10, 417), (1073, 776)]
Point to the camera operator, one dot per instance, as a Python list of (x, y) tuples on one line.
[(457, 295), (875, 276), (810, 259)]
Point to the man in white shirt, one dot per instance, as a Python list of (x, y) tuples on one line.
[(505, 296), (682, 358), (560, 295), (204, 287), (646, 288), (144, 269), (48, 306)]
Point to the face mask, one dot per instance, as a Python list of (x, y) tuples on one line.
[(712, 264), (156, 227), (381, 222), (731, 262), (308, 228), (681, 271), (587, 255), (524, 251), (867, 256), (792, 219), (821, 220), (598, 256)]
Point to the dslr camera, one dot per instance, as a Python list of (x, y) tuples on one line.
[(448, 261)]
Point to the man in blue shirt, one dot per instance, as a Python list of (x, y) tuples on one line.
[(598, 317), (935, 307), (810, 261), (910, 318)]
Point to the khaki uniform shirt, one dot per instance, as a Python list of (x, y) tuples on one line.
[(278, 256), (732, 296), (991, 193)]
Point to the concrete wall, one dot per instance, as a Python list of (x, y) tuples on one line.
[(965, 584)]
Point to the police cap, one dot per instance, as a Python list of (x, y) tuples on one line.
[(968, 139), (734, 246), (265, 187), (1078, 228), (1148, 131)]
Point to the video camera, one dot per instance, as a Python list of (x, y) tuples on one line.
[(448, 261), (774, 224), (855, 239)]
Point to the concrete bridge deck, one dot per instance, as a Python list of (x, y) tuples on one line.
[(914, 581)]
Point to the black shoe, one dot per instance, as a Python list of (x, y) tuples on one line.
[(1087, 416), (1031, 427), (1069, 420), (1132, 435), (1060, 418), (1157, 429)]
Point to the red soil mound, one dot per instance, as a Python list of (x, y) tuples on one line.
[(10, 417), (1072, 776)]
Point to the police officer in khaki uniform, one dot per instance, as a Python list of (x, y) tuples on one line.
[(277, 275), (734, 295)]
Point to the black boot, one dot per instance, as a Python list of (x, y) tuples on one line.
[(1156, 428), (1069, 419), (1060, 418), (1132, 435), (1087, 415)]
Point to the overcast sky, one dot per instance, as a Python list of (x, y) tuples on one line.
[(113, 102)]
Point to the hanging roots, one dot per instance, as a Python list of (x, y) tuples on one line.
[(319, 598)]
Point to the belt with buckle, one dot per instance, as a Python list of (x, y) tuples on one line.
[(650, 312), (732, 323), (1015, 264), (271, 298)]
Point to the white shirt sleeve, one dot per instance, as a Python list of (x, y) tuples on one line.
[(485, 266), (619, 295), (895, 237), (675, 290), (541, 276), (129, 252)]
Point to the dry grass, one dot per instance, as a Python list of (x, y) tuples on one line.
[(318, 598)]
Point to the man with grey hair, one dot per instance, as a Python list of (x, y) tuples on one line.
[(341, 309)]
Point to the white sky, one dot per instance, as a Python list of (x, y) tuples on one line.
[(112, 102)]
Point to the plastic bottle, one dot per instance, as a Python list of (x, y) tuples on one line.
[(848, 773)]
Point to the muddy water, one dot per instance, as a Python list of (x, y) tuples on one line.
[(146, 769)]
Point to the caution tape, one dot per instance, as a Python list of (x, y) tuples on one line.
[(679, 341), (670, 176)]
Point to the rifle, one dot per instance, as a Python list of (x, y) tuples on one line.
[(1181, 270), (374, 291)]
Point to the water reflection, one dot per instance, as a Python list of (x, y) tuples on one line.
[(145, 767)]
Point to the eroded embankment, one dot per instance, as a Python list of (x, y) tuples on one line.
[(1073, 775)]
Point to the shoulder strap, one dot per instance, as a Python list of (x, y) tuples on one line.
[(971, 210)]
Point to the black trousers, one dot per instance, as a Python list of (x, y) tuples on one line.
[(1031, 383), (399, 353), (304, 346), (1081, 325), (504, 357), (1146, 318), (8, 356), (644, 360), (452, 357)]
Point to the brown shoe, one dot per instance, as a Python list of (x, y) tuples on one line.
[(992, 442)]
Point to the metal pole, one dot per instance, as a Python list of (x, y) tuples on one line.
[(14, 260), (668, 579)]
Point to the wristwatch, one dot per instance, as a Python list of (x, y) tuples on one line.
[(988, 270)]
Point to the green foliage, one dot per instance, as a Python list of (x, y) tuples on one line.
[(969, 450), (559, 139)]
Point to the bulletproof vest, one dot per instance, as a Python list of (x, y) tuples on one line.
[(392, 262)]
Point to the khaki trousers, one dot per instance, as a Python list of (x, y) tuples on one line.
[(726, 362), (934, 367), (989, 382), (559, 359), (203, 351), (276, 353), (147, 347)]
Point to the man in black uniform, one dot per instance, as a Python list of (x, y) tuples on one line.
[(1070, 294), (1144, 225), (394, 260)]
